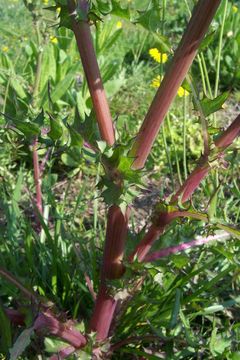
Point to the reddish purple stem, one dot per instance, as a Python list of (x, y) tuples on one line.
[(229, 135), (47, 322), (103, 313), (182, 247)]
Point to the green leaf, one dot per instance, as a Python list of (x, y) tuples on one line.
[(88, 128), (105, 7), (76, 138), (207, 41), (22, 342), (65, 20), (162, 42), (81, 105), (119, 10), (48, 70), (16, 197), (56, 130), (211, 106), (54, 345), (27, 128), (218, 343), (39, 120), (150, 19), (212, 208), (72, 157), (63, 86), (176, 309), (111, 192), (17, 87)]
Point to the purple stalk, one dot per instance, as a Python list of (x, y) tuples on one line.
[(84, 41), (15, 316), (47, 323), (145, 245), (102, 317), (229, 135), (182, 247)]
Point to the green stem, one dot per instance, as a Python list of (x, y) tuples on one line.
[(39, 68), (175, 151), (202, 74), (201, 115), (168, 156), (206, 76), (220, 49), (185, 137), (218, 71)]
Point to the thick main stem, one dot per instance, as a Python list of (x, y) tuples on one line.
[(112, 266), (177, 71), (83, 37), (117, 227)]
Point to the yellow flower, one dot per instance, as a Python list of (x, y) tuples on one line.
[(53, 39), (5, 48), (156, 82), (157, 56), (119, 25), (45, 2), (58, 10), (234, 9), (182, 92)]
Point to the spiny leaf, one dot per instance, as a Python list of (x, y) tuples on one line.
[(56, 130), (27, 128), (88, 128), (210, 106), (39, 120), (150, 19), (119, 10), (76, 138), (105, 7)]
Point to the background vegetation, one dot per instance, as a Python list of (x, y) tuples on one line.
[(189, 300)]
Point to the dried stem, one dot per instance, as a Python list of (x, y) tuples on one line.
[(177, 71), (83, 37)]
